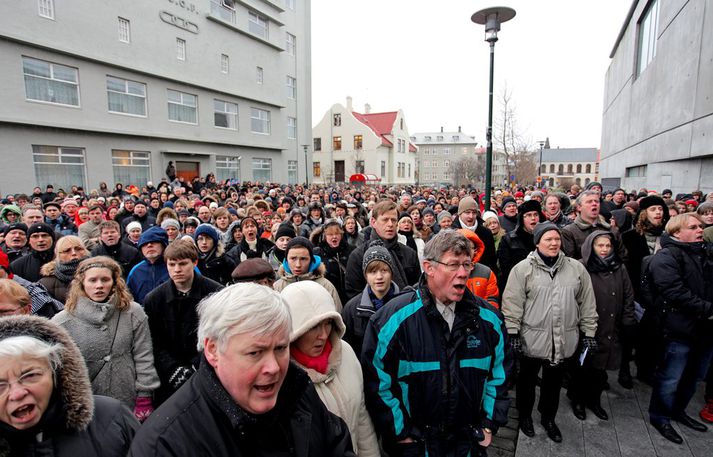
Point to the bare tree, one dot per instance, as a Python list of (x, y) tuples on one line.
[(468, 170), (511, 140)]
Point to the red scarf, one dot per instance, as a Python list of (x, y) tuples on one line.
[(319, 363)]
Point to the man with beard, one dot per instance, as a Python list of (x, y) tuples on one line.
[(516, 245), (41, 238), (15, 243), (151, 272), (469, 218), (110, 245), (141, 216)]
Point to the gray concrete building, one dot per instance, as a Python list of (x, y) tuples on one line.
[(657, 121), (113, 91)]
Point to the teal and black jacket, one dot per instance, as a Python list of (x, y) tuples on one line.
[(430, 383)]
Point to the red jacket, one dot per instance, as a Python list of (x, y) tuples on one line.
[(482, 281)]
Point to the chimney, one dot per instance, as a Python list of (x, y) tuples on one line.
[(349, 104), (459, 129), (441, 129), (367, 108)]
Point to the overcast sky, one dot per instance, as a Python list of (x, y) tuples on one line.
[(427, 58)]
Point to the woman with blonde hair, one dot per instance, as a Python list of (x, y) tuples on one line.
[(58, 274), (112, 333)]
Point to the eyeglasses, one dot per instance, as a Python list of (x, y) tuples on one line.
[(467, 266), (25, 380)]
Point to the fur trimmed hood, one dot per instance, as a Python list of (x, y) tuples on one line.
[(77, 398)]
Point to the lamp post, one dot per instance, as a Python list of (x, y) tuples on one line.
[(305, 146), (491, 18), (539, 167)]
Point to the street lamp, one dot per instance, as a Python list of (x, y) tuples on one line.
[(491, 18), (305, 146), (539, 168)]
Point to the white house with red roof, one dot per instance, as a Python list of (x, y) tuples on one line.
[(347, 143)]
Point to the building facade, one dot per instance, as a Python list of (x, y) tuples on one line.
[(113, 91), (658, 99), (347, 142), (563, 167)]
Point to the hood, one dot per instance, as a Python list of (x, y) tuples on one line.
[(309, 304), (10, 208), (667, 241), (48, 269), (78, 402), (478, 245), (526, 207), (316, 268), (586, 248)]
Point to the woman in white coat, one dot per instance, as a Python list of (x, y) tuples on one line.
[(332, 365)]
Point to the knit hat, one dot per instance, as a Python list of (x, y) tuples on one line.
[(651, 200), (207, 230), (489, 215), (537, 193), (593, 184), (253, 269), (705, 206), (133, 226), (632, 205), (519, 194), (154, 234), (140, 202), (467, 204), (170, 223), (5, 264), (41, 227), (295, 212), (542, 228), (69, 201), (168, 204), (15, 226), (376, 251), (191, 221), (507, 201), (285, 230), (300, 242), (442, 215), (54, 204), (427, 211)]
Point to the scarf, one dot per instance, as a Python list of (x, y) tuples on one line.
[(64, 271), (319, 363), (379, 302), (398, 272), (409, 239), (549, 261), (598, 264)]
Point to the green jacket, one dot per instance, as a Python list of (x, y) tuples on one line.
[(549, 307)]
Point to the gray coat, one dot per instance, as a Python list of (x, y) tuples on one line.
[(548, 307), (124, 370)]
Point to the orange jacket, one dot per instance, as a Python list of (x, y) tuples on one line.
[(482, 281)]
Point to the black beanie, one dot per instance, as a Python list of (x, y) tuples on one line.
[(300, 242), (41, 227), (285, 230), (15, 226)]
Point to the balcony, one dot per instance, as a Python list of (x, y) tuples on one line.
[(222, 12)]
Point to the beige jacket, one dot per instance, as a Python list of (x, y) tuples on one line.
[(341, 388), (548, 307), (317, 276)]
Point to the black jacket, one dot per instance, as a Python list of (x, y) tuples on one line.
[(173, 322), (683, 276), (147, 221), (489, 258), (335, 261), (433, 384), (28, 266), (12, 254), (125, 255), (219, 269), (202, 420), (242, 251), (407, 257)]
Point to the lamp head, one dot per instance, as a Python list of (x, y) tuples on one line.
[(492, 18)]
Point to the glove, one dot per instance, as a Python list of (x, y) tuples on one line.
[(181, 375), (515, 344), (589, 343), (143, 408)]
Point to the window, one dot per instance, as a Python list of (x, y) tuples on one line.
[(131, 167), (126, 97), (180, 49), (258, 25), (579, 168), (290, 4), (337, 120), (446, 151), (359, 166), (588, 168), (227, 167), (337, 143), (316, 169), (124, 30), (262, 170), (427, 138), (401, 123), (358, 142), (560, 169), (439, 138), (552, 168), (224, 63), (409, 170), (543, 169), (291, 87), (383, 168), (317, 144), (446, 163), (291, 45), (182, 107), (225, 114), (648, 33), (50, 82), (63, 167), (569, 168), (223, 9), (46, 8), (259, 121), (455, 138), (292, 172), (292, 128), (259, 75)]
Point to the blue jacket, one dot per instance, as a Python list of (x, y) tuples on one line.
[(145, 277), (435, 385)]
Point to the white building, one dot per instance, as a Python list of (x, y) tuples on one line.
[(347, 142), (563, 167), (111, 91)]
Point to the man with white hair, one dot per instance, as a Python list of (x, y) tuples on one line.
[(246, 398)]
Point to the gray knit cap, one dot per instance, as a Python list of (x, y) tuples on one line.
[(376, 251), (542, 228), (442, 215), (170, 223)]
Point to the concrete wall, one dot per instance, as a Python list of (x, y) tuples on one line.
[(663, 117)]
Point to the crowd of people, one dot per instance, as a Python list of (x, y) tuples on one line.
[(210, 318)]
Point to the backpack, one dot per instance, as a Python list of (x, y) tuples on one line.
[(648, 291)]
